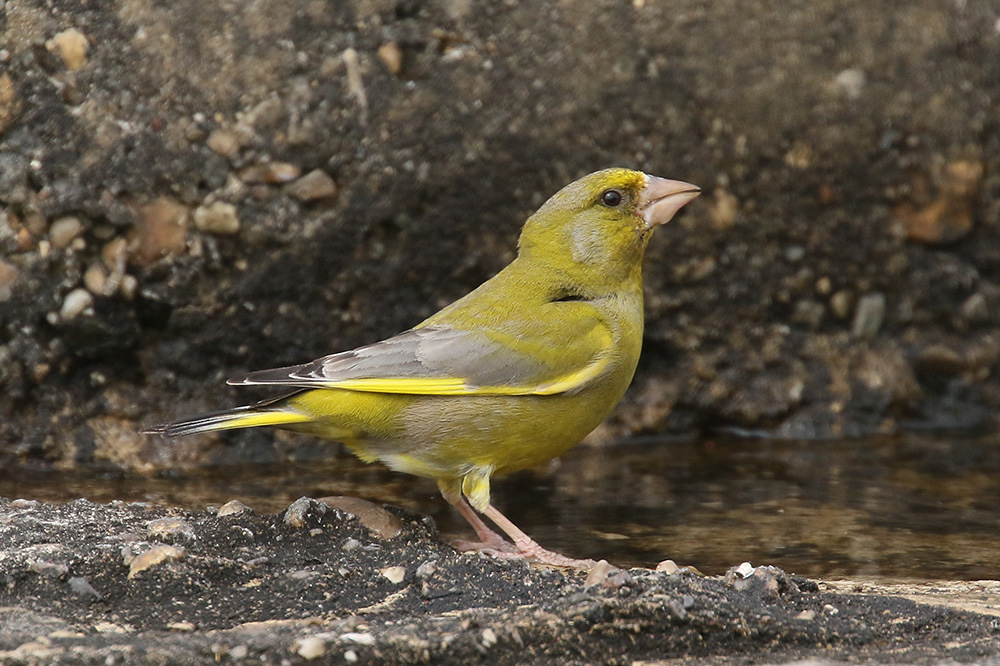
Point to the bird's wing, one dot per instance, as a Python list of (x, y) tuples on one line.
[(539, 359)]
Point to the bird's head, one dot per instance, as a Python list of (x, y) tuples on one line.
[(596, 229)]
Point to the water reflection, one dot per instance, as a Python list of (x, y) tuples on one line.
[(913, 507)]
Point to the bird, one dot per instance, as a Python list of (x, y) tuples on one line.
[(506, 378)]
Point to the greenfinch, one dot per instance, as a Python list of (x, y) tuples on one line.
[(506, 378)]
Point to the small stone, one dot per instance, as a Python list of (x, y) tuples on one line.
[(63, 231), (129, 284), (809, 313), (599, 572), (25, 504), (357, 638), (723, 209), (745, 570), (94, 279), (170, 527), (311, 648), (152, 557), (851, 82), (115, 254), (239, 652), (223, 142), (298, 512), (10, 107), (161, 230), (8, 276), (868, 315), (75, 303), (217, 218), (383, 524), (668, 567), (314, 185), (82, 586), (52, 569), (806, 615), (233, 508), (181, 626), (975, 309), (71, 45), (426, 569), (794, 253), (394, 575), (840, 304), (351, 656), (273, 173), (392, 56), (489, 638)]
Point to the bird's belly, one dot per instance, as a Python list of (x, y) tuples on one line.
[(448, 436)]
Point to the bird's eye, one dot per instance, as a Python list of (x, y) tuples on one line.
[(611, 198)]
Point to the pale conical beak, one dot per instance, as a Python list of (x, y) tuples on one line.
[(660, 199)]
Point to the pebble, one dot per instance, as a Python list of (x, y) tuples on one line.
[(82, 586), (71, 45), (668, 567), (223, 142), (239, 652), (170, 527), (723, 209), (426, 569), (380, 522), (63, 231), (311, 648), (298, 511), (394, 575), (489, 637), (357, 638), (745, 570), (75, 304), (162, 230), (351, 656), (233, 508), (129, 286), (181, 626), (10, 106), (392, 56), (94, 279), (314, 185), (273, 173), (851, 82), (217, 218), (152, 557), (115, 254), (840, 304), (8, 276), (794, 253), (868, 315), (806, 615)]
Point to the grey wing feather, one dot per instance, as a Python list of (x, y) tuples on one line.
[(430, 352)]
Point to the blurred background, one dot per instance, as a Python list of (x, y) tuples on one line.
[(192, 189)]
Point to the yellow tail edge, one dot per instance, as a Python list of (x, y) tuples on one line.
[(241, 417)]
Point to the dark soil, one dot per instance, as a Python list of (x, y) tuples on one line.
[(313, 583)]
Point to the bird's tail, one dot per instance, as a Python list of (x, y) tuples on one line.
[(250, 416)]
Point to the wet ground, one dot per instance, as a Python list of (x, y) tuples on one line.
[(916, 507)]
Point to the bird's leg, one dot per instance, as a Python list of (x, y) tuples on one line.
[(489, 541), (527, 547)]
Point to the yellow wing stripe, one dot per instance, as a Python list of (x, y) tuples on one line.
[(458, 385)]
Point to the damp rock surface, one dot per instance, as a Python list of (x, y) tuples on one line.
[(257, 586)]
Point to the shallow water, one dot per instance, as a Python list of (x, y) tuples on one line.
[(912, 507)]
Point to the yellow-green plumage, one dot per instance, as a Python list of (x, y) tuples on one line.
[(508, 377)]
